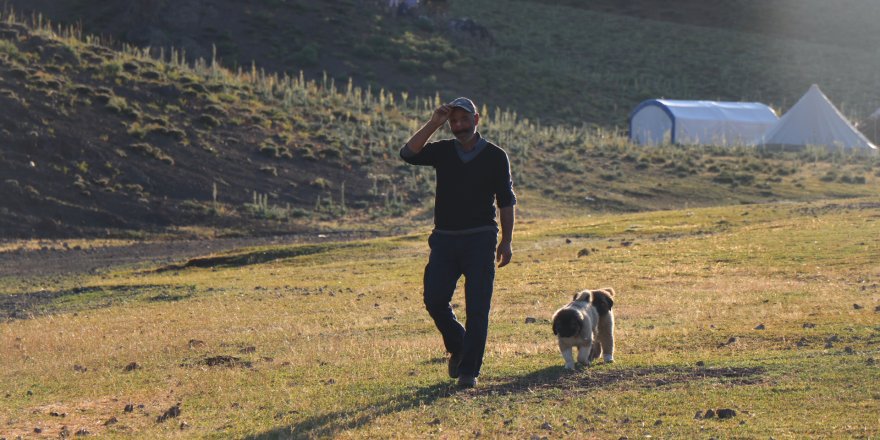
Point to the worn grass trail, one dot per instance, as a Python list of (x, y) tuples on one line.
[(768, 310)]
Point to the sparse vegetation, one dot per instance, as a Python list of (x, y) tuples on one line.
[(723, 308), (248, 119)]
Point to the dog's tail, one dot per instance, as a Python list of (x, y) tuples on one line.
[(603, 300), (567, 323)]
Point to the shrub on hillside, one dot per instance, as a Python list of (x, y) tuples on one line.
[(847, 178), (208, 120), (307, 55), (734, 179), (151, 151)]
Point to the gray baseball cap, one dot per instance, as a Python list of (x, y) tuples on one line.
[(465, 104)]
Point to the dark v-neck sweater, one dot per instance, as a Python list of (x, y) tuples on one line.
[(466, 191)]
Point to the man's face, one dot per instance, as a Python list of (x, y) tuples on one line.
[(463, 124)]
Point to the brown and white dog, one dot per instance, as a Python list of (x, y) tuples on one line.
[(586, 318)]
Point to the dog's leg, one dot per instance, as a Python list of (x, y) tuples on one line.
[(565, 349), (597, 349), (584, 352), (606, 336)]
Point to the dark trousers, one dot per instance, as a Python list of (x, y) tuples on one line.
[(471, 255)]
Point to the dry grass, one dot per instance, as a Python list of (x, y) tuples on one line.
[(336, 343)]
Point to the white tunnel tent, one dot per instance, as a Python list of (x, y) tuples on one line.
[(662, 121)]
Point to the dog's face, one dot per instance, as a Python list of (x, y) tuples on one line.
[(602, 300)]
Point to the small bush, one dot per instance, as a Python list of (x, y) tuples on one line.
[(308, 55), (112, 68), (734, 178), (320, 182), (151, 74), (11, 50), (857, 180), (208, 120), (269, 149), (116, 104), (151, 151)]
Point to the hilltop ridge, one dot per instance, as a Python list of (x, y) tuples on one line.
[(571, 61), (122, 142)]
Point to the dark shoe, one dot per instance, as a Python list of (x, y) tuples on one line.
[(454, 362), (466, 381)]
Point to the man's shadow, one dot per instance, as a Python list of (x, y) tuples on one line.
[(333, 423)]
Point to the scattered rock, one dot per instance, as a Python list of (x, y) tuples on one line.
[(809, 325), (226, 361), (330, 381), (82, 433), (129, 408), (877, 309), (583, 252), (184, 425), (172, 412), (547, 426), (698, 415), (111, 421), (530, 320), (802, 342), (132, 366), (658, 422), (870, 362), (760, 327), (833, 338), (567, 241), (57, 414), (829, 344), (246, 350), (195, 343), (701, 364), (434, 422), (726, 413), (732, 340), (857, 307), (80, 369), (709, 414), (848, 350), (38, 430)]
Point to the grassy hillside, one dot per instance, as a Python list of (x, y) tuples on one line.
[(118, 142), (572, 61), (768, 310)]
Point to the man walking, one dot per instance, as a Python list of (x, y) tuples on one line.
[(473, 175)]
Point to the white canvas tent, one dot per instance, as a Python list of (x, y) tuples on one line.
[(659, 121), (814, 120)]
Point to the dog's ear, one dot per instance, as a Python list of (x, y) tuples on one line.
[(583, 295), (608, 290), (602, 301)]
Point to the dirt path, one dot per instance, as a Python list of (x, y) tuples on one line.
[(52, 262)]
